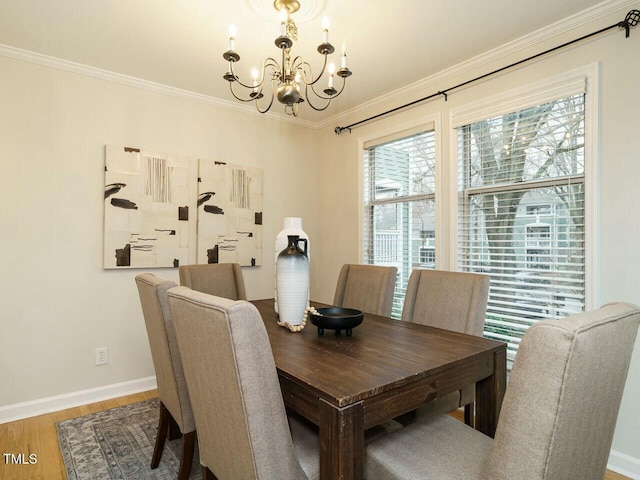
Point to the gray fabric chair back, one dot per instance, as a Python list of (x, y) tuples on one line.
[(454, 301), (451, 300), (233, 383), (219, 279), (560, 408), (366, 287), (172, 389)]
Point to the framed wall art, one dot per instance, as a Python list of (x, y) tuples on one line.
[(229, 213), (147, 211), (166, 210)]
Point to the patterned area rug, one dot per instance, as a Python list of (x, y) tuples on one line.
[(117, 444)]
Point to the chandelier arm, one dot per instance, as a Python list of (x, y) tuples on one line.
[(275, 73), (237, 97), (313, 89), (344, 84), (329, 97), (297, 63), (268, 62), (236, 78), (270, 102), (246, 100), (317, 109), (304, 74), (250, 87)]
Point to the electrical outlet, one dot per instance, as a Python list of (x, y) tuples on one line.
[(102, 356)]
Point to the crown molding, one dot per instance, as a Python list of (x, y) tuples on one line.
[(399, 96), (418, 88), (89, 71)]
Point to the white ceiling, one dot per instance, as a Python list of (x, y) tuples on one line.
[(179, 43)]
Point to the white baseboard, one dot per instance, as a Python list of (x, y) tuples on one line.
[(18, 411), (624, 464)]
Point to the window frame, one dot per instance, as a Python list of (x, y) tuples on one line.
[(559, 86), (427, 123), (447, 170)]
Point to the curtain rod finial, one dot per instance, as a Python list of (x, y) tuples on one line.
[(631, 20)]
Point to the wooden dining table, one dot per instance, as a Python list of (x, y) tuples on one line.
[(386, 368)]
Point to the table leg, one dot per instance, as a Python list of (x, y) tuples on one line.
[(489, 395), (341, 442)]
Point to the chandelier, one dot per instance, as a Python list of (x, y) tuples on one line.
[(291, 81)]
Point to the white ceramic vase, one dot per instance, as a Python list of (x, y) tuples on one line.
[(292, 226), (292, 281)]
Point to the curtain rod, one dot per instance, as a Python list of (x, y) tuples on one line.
[(631, 20)]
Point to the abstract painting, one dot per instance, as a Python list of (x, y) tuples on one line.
[(147, 211), (165, 210), (229, 208)]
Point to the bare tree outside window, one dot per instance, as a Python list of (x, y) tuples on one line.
[(511, 164)]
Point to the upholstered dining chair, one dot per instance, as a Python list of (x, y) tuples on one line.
[(557, 418), (453, 301), (366, 287), (172, 389), (231, 375), (219, 279)]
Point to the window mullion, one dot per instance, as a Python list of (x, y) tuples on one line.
[(408, 198), (507, 187)]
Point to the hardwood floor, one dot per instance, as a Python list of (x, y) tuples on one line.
[(37, 435)]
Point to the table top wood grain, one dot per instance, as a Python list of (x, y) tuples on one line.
[(382, 354), (386, 368)]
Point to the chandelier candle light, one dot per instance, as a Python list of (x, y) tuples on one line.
[(292, 81)]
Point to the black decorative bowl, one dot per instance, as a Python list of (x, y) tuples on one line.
[(336, 318)]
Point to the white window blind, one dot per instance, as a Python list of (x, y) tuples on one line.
[(521, 213), (399, 206)]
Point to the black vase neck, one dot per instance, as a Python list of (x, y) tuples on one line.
[(293, 246)]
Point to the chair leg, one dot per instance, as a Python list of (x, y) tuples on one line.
[(174, 429), (188, 447), (161, 436), (207, 474), (469, 416)]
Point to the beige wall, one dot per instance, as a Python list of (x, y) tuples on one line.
[(618, 229), (57, 304)]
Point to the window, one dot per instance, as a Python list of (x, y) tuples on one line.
[(399, 205), (521, 212)]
